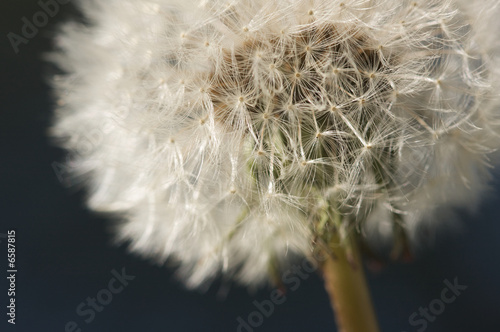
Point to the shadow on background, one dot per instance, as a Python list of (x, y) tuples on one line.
[(64, 252)]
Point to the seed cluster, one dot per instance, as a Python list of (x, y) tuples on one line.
[(230, 136), (308, 104)]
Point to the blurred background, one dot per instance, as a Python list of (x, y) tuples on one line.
[(65, 253)]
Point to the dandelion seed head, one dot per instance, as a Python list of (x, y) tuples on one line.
[(233, 128)]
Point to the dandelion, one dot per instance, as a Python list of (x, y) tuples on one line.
[(239, 135)]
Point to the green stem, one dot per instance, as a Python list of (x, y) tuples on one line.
[(347, 287)]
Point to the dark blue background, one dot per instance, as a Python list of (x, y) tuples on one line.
[(65, 253)]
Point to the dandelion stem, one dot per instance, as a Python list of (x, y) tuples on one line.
[(346, 285)]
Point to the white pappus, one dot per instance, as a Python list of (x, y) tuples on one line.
[(229, 129)]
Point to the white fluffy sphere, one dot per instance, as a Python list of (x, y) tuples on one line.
[(221, 133)]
